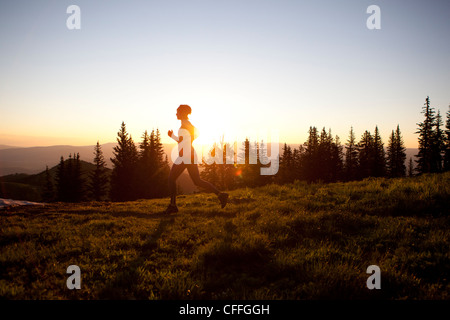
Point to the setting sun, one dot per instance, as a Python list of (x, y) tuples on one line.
[(210, 129)]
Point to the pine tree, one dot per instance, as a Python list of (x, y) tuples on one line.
[(77, 180), (61, 180), (252, 174), (162, 167), (153, 166), (365, 155), (230, 166), (337, 163), (261, 157), (351, 158), (70, 182), (426, 136), (209, 167), (310, 161), (224, 173), (48, 194), (328, 163), (69, 179), (264, 162), (401, 153), (145, 148), (286, 169), (391, 154), (159, 148), (438, 144), (246, 161), (99, 179), (152, 156), (123, 177), (146, 167), (379, 159), (297, 155), (446, 166), (323, 167), (396, 155)]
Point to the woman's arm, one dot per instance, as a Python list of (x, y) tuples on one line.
[(174, 137)]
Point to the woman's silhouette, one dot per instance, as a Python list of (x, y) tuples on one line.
[(178, 167)]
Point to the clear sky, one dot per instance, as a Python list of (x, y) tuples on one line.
[(244, 66)]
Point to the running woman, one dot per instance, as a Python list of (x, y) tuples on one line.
[(178, 166)]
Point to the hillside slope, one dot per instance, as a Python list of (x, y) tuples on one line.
[(295, 241), (30, 186)]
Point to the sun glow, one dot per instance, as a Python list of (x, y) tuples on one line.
[(210, 130)]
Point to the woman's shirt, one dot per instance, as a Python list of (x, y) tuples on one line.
[(193, 133)]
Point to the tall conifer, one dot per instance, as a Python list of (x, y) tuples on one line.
[(98, 177), (351, 157), (396, 155), (438, 144), (446, 165), (48, 194), (426, 137), (365, 155), (379, 157), (123, 177)]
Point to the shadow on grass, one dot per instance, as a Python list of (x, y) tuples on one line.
[(231, 269), (140, 215), (28, 210), (211, 213), (125, 283), (80, 209), (231, 272)]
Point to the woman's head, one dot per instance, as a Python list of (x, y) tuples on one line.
[(183, 111)]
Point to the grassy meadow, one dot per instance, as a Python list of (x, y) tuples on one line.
[(296, 241)]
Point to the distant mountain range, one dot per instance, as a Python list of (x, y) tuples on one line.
[(22, 186), (32, 160), (4, 146)]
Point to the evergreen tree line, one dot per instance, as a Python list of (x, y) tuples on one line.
[(72, 184), (434, 141), (237, 168), (322, 157), (138, 173)]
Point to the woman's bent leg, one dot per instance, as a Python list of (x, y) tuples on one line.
[(195, 176)]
